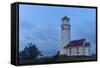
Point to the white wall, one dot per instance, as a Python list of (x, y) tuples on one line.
[(87, 51), (65, 36), (74, 51), (5, 34)]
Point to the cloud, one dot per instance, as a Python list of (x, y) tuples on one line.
[(26, 25), (89, 35), (45, 38)]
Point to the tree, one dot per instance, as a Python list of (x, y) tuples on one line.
[(33, 51), (57, 55), (30, 52), (23, 53)]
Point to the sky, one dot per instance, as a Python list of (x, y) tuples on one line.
[(41, 25)]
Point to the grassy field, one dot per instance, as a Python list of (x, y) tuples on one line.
[(59, 59), (74, 58)]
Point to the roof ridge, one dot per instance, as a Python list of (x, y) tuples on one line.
[(77, 42)]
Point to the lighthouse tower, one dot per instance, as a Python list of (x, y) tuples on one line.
[(65, 34)]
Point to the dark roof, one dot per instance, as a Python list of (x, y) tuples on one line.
[(75, 43), (65, 18), (87, 44)]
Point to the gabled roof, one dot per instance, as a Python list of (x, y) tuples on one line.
[(75, 43), (87, 44)]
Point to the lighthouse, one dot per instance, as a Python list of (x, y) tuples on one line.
[(65, 34)]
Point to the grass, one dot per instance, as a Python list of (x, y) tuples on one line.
[(74, 58), (59, 59)]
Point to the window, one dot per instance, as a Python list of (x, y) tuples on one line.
[(70, 51), (77, 50)]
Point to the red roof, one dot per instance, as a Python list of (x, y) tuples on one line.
[(76, 43)]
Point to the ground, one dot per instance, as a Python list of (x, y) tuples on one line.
[(60, 59), (75, 58)]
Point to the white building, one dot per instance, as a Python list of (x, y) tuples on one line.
[(72, 48), (78, 48), (65, 34)]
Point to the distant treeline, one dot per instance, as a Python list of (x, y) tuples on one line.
[(32, 52)]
